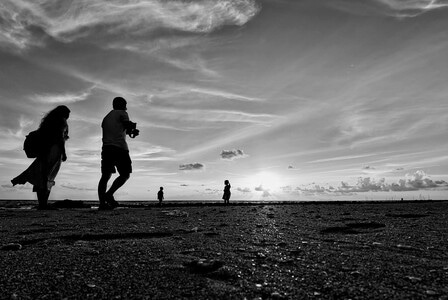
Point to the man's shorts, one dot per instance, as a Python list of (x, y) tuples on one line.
[(113, 157)]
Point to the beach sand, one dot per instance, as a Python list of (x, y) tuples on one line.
[(393, 250)]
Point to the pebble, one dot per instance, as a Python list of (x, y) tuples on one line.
[(407, 247), (12, 247), (296, 252), (413, 278), (204, 265)]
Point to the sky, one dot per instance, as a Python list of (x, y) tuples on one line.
[(287, 99)]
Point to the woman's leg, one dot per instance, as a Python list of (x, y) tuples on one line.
[(42, 197)]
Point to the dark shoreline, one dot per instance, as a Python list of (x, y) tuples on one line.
[(208, 203)]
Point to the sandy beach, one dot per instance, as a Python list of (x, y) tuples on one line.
[(390, 250)]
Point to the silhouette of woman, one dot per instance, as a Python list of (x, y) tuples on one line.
[(226, 195), (41, 173)]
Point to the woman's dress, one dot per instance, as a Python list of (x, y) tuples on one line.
[(43, 170)]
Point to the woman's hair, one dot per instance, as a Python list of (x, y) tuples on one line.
[(226, 182), (54, 120)]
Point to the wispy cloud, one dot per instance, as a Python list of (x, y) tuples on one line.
[(78, 188), (341, 158), (146, 152), (60, 98), (392, 8), (71, 20), (214, 115), (412, 8), (223, 94)]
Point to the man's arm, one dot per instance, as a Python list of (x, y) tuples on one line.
[(129, 126)]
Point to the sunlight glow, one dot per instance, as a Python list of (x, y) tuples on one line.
[(267, 180)]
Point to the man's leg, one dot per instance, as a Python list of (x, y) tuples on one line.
[(102, 186), (118, 183)]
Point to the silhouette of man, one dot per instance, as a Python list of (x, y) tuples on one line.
[(115, 152)]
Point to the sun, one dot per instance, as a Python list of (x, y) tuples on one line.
[(266, 180)]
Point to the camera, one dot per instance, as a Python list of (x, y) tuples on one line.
[(132, 130)]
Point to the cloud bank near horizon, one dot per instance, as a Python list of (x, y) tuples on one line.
[(412, 182)]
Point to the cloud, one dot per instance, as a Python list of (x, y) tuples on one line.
[(232, 154), (413, 182), (244, 190), (70, 20), (391, 8), (265, 191), (259, 188), (266, 194), (191, 167), (341, 158), (60, 98), (77, 188), (223, 94), (213, 116), (412, 8)]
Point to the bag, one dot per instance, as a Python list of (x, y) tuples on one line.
[(33, 144)]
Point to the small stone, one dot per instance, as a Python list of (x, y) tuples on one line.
[(431, 293), (203, 266), (406, 247), (12, 247), (223, 273), (295, 252), (414, 279)]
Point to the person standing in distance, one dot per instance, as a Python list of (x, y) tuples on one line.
[(115, 152), (226, 195), (160, 195)]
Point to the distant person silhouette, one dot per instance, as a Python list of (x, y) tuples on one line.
[(53, 132), (115, 152), (226, 195), (160, 195)]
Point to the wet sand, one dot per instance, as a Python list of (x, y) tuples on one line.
[(302, 251)]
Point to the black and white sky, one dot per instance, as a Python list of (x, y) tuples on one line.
[(287, 99)]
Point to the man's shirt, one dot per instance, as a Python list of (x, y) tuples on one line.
[(114, 132)]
